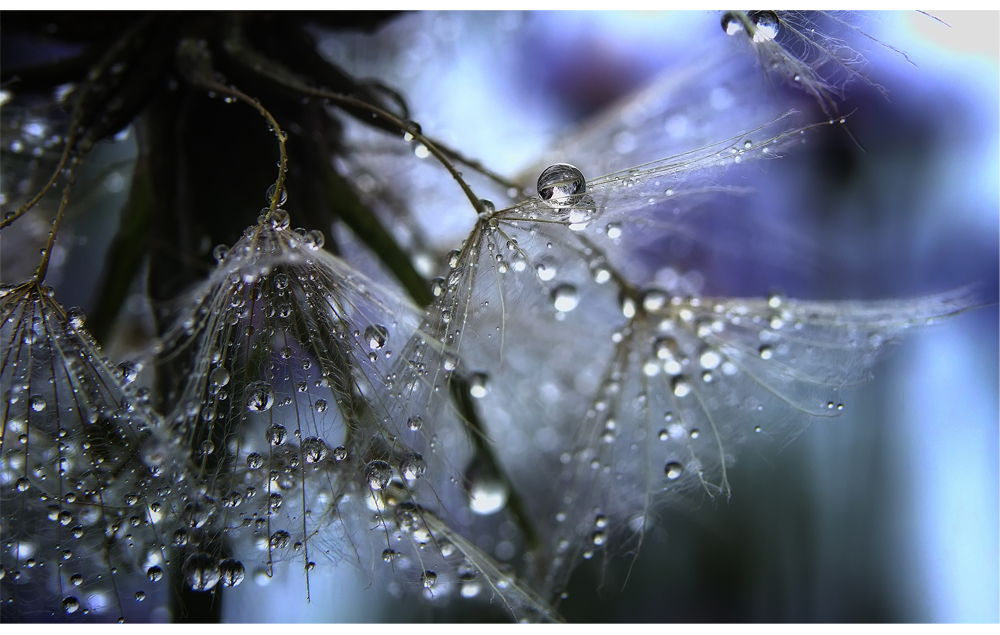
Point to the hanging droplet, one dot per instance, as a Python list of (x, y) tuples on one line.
[(376, 336), (731, 24), (378, 474), (260, 396), (487, 493), (413, 466), (201, 572), (673, 470), (477, 385), (565, 298), (559, 183), (765, 25)]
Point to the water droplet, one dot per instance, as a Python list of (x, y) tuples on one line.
[(276, 435), (71, 604), (219, 252), (478, 385), (76, 318), (731, 24), (282, 197), (201, 572), (428, 579), (565, 298), (254, 461), (22, 484), (546, 271), (376, 336), (413, 466), (339, 453), (314, 239), (279, 219), (378, 474), (412, 129), (320, 405), (673, 470), (388, 555), (681, 387), (260, 396), (281, 281), (486, 208), (414, 423), (129, 371), (599, 538), (218, 377), (654, 300), (765, 25), (487, 494), (766, 352), (279, 539), (559, 182), (38, 403), (313, 450), (710, 359), (154, 573)]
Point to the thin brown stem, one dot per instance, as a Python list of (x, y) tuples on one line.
[(43, 266)]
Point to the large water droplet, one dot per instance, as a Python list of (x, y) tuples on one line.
[(314, 450), (731, 24), (378, 474), (673, 470), (565, 298), (70, 604), (218, 377), (276, 435), (260, 396), (765, 25), (428, 579), (38, 403), (129, 371), (231, 572), (413, 466), (558, 183), (376, 336), (201, 573), (478, 385), (154, 573), (282, 197)]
